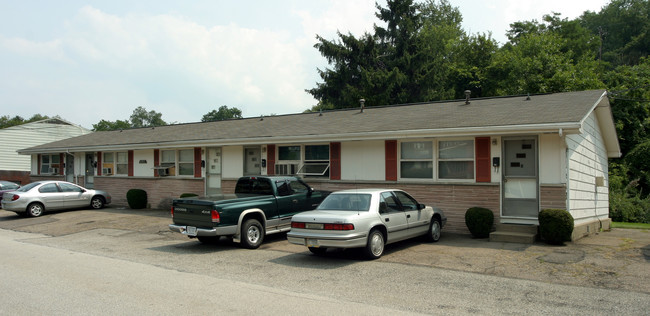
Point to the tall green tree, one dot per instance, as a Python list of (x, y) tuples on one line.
[(623, 26), (404, 60), (143, 118), (224, 113)]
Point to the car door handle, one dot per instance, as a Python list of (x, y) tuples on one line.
[(408, 215), (295, 201)]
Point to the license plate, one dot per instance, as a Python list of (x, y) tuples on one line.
[(312, 243), (313, 226), (190, 230)]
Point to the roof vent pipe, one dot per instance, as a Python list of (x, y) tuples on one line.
[(363, 104), (467, 94)]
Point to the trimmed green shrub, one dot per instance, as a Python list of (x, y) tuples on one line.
[(555, 226), (186, 195), (479, 221), (137, 198)]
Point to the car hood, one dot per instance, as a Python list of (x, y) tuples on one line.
[(325, 216)]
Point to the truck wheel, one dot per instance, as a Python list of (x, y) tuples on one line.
[(252, 234)]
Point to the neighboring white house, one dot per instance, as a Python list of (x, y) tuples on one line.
[(15, 167), (513, 155)]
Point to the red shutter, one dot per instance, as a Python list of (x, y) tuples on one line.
[(197, 162), (270, 160), (483, 166), (130, 153), (391, 160), (99, 163), (156, 161), (335, 161), (61, 164)]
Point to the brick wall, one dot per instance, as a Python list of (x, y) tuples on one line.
[(553, 197), (160, 191), (20, 177)]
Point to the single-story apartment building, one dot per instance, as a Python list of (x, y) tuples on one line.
[(513, 155)]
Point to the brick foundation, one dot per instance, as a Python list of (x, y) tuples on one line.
[(160, 191), (20, 177)]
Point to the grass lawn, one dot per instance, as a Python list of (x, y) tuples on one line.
[(630, 225)]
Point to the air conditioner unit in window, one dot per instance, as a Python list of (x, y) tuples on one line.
[(163, 172), (286, 169), (106, 171), (54, 170)]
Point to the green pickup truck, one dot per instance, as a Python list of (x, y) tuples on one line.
[(260, 206)]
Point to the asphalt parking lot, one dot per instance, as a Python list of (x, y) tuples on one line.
[(616, 259)]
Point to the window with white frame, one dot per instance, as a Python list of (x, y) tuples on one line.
[(121, 163), (108, 164), (186, 162), (456, 159), (177, 162), (316, 162), (50, 163), (288, 160), (416, 160)]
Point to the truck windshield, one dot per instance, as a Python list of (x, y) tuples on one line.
[(254, 186), (346, 202)]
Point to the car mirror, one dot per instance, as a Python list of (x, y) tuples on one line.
[(421, 206)]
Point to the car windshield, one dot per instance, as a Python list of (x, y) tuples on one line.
[(28, 187), (346, 202)]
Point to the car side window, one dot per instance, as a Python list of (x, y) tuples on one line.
[(283, 188), (408, 203), (388, 199), (298, 187), (69, 188), (49, 188)]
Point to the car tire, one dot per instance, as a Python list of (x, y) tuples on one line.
[(375, 246), (435, 229), (97, 202), (318, 251), (209, 239), (35, 210), (252, 234)]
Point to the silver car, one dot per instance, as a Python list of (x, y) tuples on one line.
[(37, 197), (367, 218)]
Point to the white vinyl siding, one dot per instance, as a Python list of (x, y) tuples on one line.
[(587, 160)]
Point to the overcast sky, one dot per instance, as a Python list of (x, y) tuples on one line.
[(92, 60)]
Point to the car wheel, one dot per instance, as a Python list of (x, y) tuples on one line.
[(375, 247), (97, 202), (434, 230), (318, 251), (252, 234), (208, 239), (35, 210)]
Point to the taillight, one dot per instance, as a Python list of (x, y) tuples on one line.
[(216, 218), (172, 212), (297, 225), (15, 197), (338, 226)]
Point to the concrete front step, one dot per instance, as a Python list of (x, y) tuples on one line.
[(522, 238), (524, 234)]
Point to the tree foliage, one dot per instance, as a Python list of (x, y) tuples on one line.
[(8, 121), (224, 113), (139, 118)]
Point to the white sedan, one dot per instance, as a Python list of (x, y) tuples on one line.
[(368, 218)]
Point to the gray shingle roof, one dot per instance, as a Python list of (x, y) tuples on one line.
[(549, 109)]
